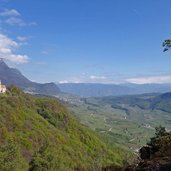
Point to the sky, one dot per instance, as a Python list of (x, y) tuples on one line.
[(91, 41)]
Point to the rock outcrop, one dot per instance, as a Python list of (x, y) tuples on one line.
[(156, 156)]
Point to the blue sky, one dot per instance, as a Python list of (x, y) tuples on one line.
[(106, 41)]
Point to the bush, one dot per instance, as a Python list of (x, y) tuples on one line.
[(10, 158)]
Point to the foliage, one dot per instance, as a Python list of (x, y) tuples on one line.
[(157, 144), (10, 157), (39, 134), (167, 45), (156, 155), (160, 131)]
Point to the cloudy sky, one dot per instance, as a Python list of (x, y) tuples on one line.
[(105, 41)]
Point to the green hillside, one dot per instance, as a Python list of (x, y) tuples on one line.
[(39, 134)]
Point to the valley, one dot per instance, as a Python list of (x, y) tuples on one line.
[(126, 120), (85, 85)]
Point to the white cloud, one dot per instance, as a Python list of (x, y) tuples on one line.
[(94, 77), (7, 48), (16, 21), (63, 82), (22, 38), (84, 78), (150, 79), (13, 18), (9, 13)]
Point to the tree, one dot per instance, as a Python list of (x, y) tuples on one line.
[(161, 131), (11, 158), (166, 45)]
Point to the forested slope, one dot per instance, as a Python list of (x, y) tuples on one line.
[(39, 134)]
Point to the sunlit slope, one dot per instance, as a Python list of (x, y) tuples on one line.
[(39, 134)]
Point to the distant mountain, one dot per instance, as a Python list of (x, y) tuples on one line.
[(96, 90), (100, 90), (10, 76)]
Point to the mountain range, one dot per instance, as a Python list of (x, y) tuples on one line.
[(11, 76), (100, 90)]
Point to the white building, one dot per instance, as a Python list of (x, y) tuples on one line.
[(2, 88)]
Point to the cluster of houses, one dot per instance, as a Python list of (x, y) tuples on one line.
[(3, 88)]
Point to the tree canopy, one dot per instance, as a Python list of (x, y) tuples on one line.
[(166, 45)]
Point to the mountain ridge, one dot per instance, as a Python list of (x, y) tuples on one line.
[(12, 76), (100, 90)]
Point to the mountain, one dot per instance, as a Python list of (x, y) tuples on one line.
[(10, 76), (39, 134), (100, 90), (96, 90)]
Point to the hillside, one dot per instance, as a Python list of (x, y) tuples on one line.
[(39, 134), (11, 76), (146, 101)]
